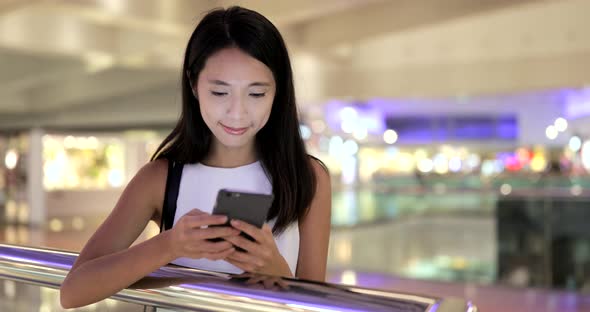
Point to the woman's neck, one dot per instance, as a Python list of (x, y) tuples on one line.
[(224, 157)]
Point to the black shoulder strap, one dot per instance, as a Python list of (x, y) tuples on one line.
[(171, 195)]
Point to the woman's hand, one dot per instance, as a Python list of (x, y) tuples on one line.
[(266, 281), (188, 238), (261, 255)]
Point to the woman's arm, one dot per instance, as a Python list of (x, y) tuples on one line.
[(107, 265), (314, 229)]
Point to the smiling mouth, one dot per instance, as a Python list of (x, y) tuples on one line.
[(233, 131)]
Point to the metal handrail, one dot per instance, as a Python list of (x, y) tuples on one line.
[(173, 287)]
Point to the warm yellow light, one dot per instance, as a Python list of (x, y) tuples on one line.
[(538, 163), (348, 277), (425, 165), (23, 212), (10, 235), (343, 251), (11, 159), (420, 154), (522, 154), (441, 164), (459, 263), (78, 223), (10, 211), (55, 225), (405, 162), (98, 61)]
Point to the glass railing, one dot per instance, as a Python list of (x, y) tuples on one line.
[(524, 231), (172, 288)]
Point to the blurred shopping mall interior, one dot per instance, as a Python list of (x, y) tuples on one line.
[(457, 133)]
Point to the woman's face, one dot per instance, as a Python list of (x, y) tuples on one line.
[(235, 93)]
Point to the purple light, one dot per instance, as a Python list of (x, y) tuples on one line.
[(577, 103), (277, 299), (434, 307), (31, 261), (366, 116), (226, 291)]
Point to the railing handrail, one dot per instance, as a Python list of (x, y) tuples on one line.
[(190, 289)]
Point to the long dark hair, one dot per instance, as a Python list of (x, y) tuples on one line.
[(279, 144)]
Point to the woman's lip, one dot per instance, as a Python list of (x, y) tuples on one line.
[(234, 131)]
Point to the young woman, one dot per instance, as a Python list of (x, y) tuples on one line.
[(238, 129)]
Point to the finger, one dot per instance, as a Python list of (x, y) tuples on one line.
[(244, 243), (205, 220), (282, 284), (256, 286), (269, 283), (254, 280), (214, 247), (195, 212), (219, 255), (215, 232), (266, 228), (249, 229), (246, 257), (244, 266)]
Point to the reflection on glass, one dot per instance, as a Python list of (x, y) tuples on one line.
[(78, 223), (10, 211), (347, 208), (10, 235), (343, 250), (9, 289), (17, 296), (23, 212), (348, 278), (56, 225), (23, 235)]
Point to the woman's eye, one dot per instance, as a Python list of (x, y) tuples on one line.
[(257, 95), (218, 93)]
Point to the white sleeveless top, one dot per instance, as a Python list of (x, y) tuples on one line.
[(198, 189)]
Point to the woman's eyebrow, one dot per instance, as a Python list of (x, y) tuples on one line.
[(254, 84)]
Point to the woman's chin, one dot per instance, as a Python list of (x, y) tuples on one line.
[(236, 142)]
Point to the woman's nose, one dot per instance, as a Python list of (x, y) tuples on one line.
[(236, 108)]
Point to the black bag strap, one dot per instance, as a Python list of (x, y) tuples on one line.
[(171, 194)]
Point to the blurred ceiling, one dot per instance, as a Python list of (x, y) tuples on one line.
[(96, 63)]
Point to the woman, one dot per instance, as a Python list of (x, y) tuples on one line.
[(238, 129)]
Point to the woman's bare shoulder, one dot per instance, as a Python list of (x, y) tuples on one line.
[(154, 169), (151, 181), (322, 174)]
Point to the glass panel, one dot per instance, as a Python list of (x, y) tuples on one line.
[(21, 297)]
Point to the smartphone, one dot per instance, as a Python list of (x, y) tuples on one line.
[(244, 206)]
